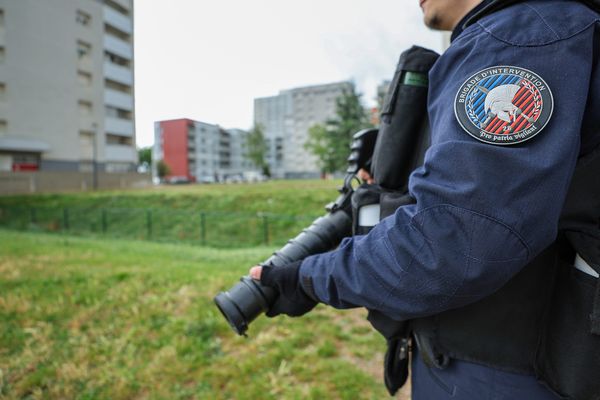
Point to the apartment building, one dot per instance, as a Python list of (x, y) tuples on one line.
[(286, 119), (200, 152), (67, 85)]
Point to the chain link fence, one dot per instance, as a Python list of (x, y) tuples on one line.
[(215, 229)]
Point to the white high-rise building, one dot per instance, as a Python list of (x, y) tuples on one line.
[(286, 119), (66, 85)]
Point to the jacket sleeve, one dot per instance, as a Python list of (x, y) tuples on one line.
[(483, 210)]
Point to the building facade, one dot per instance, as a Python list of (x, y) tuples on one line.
[(67, 85), (286, 120), (200, 152)]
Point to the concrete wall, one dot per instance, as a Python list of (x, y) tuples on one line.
[(43, 182)]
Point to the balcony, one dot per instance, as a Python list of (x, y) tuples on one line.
[(120, 153), (118, 99), (118, 73), (118, 47), (118, 20), (118, 126), (126, 4)]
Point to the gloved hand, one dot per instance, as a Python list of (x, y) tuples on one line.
[(293, 299)]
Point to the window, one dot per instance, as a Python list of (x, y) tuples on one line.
[(114, 112), (2, 53), (117, 7), (109, 30), (118, 140), (115, 59), (83, 18), (25, 162), (1, 18), (84, 49), (2, 91), (119, 87), (85, 108), (84, 78), (3, 127)]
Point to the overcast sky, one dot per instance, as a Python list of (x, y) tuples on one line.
[(207, 60)]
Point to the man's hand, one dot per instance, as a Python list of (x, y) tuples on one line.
[(365, 176), (292, 299)]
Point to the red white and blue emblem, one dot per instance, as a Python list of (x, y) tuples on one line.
[(504, 105)]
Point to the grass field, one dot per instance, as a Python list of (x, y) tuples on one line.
[(297, 197), (82, 318), (213, 215)]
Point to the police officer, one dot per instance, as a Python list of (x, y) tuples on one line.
[(511, 106)]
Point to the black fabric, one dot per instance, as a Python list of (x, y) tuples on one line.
[(580, 218), (595, 315), (403, 132), (395, 363), (502, 330), (568, 357), (390, 201), (292, 299)]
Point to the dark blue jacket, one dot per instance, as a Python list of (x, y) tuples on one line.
[(483, 211)]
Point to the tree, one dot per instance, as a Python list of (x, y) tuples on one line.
[(331, 142), (145, 156), (162, 169), (257, 149), (319, 144)]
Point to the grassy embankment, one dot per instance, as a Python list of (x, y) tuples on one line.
[(215, 215), (98, 319), (107, 319)]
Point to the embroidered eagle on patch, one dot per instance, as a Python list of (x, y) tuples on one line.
[(504, 105)]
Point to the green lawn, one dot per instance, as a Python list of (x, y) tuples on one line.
[(226, 216), (117, 319), (291, 197)]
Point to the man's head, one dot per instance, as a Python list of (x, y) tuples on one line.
[(445, 14)]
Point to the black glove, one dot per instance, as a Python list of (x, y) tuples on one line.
[(292, 299)]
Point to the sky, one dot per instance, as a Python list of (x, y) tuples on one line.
[(208, 60)]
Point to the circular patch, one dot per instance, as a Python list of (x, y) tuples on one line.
[(504, 105)]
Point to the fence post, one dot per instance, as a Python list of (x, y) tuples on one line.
[(66, 219), (104, 221), (265, 224), (149, 223), (203, 228)]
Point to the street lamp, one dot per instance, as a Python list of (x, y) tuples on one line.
[(95, 161)]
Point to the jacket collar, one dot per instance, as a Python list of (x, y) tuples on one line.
[(466, 20)]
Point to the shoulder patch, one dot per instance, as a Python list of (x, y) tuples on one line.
[(504, 105)]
